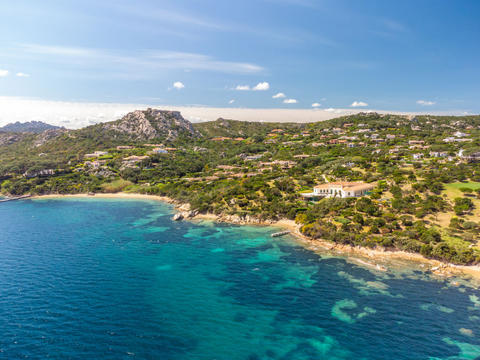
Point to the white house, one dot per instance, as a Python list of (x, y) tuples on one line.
[(341, 189)]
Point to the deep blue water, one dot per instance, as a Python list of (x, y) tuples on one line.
[(117, 279)]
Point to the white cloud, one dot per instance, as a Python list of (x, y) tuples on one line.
[(316, 105), (425, 102), (231, 101), (290, 101), (242, 88), (178, 85), (263, 86), (20, 74), (3, 73), (334, 111), (358, 104), (279, 96)]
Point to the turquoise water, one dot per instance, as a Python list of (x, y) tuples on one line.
[(117, 279)]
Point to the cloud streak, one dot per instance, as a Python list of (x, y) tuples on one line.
[(425, 102), (143, 59)]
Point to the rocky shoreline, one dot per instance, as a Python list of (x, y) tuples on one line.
[(369, 258)]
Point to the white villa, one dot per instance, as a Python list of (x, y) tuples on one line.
[(341, 189)]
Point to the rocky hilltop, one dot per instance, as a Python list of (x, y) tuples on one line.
[(35, 127), (9, 138), (152, 124)]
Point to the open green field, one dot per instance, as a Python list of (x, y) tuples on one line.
[(453, 190), (459, 185)]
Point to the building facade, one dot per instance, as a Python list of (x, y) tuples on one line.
[(341, 189)]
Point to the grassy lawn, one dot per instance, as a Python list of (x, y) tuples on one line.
[(458, 185)]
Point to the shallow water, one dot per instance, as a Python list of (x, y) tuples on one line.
[(117, 279)]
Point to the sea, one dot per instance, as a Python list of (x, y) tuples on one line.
[(91, 278)]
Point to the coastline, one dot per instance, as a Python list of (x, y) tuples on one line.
[(363, 256)]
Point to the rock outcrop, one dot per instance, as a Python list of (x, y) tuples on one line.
[(153, 124), (48, 135), (9, 138)]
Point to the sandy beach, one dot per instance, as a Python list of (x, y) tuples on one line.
[(371, 258)]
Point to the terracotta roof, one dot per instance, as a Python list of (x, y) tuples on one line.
[(347, 186)]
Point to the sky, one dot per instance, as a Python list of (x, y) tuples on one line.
[(84, 58)]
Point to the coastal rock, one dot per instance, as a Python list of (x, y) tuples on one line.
[(185, 215), (177, 217)]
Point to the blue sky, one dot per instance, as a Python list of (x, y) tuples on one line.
[(421, 55)]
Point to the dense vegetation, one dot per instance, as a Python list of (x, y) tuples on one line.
[(426, 199)]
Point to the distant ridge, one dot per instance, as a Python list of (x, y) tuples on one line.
[(35, 127)]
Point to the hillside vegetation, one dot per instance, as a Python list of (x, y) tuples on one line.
[(425, 172)]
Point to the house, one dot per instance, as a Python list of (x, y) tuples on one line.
[(96, 154), (418, 156), (250, 157), (160, 150), (284, 164), (437, 154), (472, 158), (416, 142), (452, 139), (135, 158), (459, 134), (45, 172), (341, 189), (221, 138), (125, 147), (96, 164)]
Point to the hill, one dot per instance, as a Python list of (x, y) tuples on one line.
[(35, 127), (235, 128), (151, 124)]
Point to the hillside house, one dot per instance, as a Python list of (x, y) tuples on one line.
[(472, 158), (159, 150), (96, 154), (340, 189), (39, 173)]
